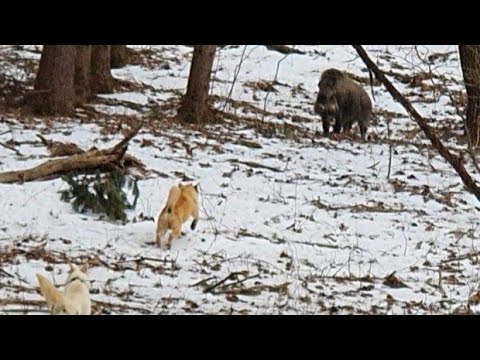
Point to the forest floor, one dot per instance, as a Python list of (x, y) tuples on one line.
[(291, 222)]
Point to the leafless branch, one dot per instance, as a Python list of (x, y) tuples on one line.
[(273, 83), (453, 160), (11, 148), (235, 76)]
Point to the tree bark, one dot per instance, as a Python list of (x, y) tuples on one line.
[(82, 73), (54, 92), (470, 61), (118, 56), (452, 159), (101, 79), (195, 107)]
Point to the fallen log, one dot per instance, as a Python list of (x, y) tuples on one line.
[(59, 149), (284, 49), (87, 161)]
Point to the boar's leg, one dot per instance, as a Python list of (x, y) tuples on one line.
[(363, 130), (326, 125), (338, 126)]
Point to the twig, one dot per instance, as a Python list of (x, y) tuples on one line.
[(250, 259), (325, 246), (390, 149), (142, 258), (361, 208), (11, 148), (273, 83), (6, 273), (209, 218), (235, 76), (214, 286), (243, 280), (203, 281), (211, 84), (127, 139), (256, 165), (245, 233), (406, 244), (44, 141), (462, 257), (34, 195)]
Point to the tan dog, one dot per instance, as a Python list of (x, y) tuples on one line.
[(182, 203), (76, 298)]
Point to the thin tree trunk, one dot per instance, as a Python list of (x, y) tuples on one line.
[(470, 60), (195, 107), (118, 56), (82, 73), (101, 79), (452, 159), (54, 92)]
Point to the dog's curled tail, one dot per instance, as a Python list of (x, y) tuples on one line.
[(173, 197), (49, 291)]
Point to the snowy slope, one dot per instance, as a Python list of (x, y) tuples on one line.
[(316, 232)]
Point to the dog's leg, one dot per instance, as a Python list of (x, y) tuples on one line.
[(196, 216), (176, 232), (158, 238), (160, 234)]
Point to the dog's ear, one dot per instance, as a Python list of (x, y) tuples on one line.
[(84, 268), (72, 267), (49, 291), (196, 186)]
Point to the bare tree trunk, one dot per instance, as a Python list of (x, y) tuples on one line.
[(195, 108), (82, 73), (118, 56), (54, 92), (101, 79), (470, 60), (452, 159)]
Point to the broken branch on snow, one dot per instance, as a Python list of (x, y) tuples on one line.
[(113, 157)]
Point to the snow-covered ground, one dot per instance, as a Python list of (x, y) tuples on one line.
[(298, 223)]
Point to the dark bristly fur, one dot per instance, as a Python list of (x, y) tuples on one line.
[(344, 100)]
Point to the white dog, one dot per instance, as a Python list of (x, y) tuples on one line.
[(76, 298)]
